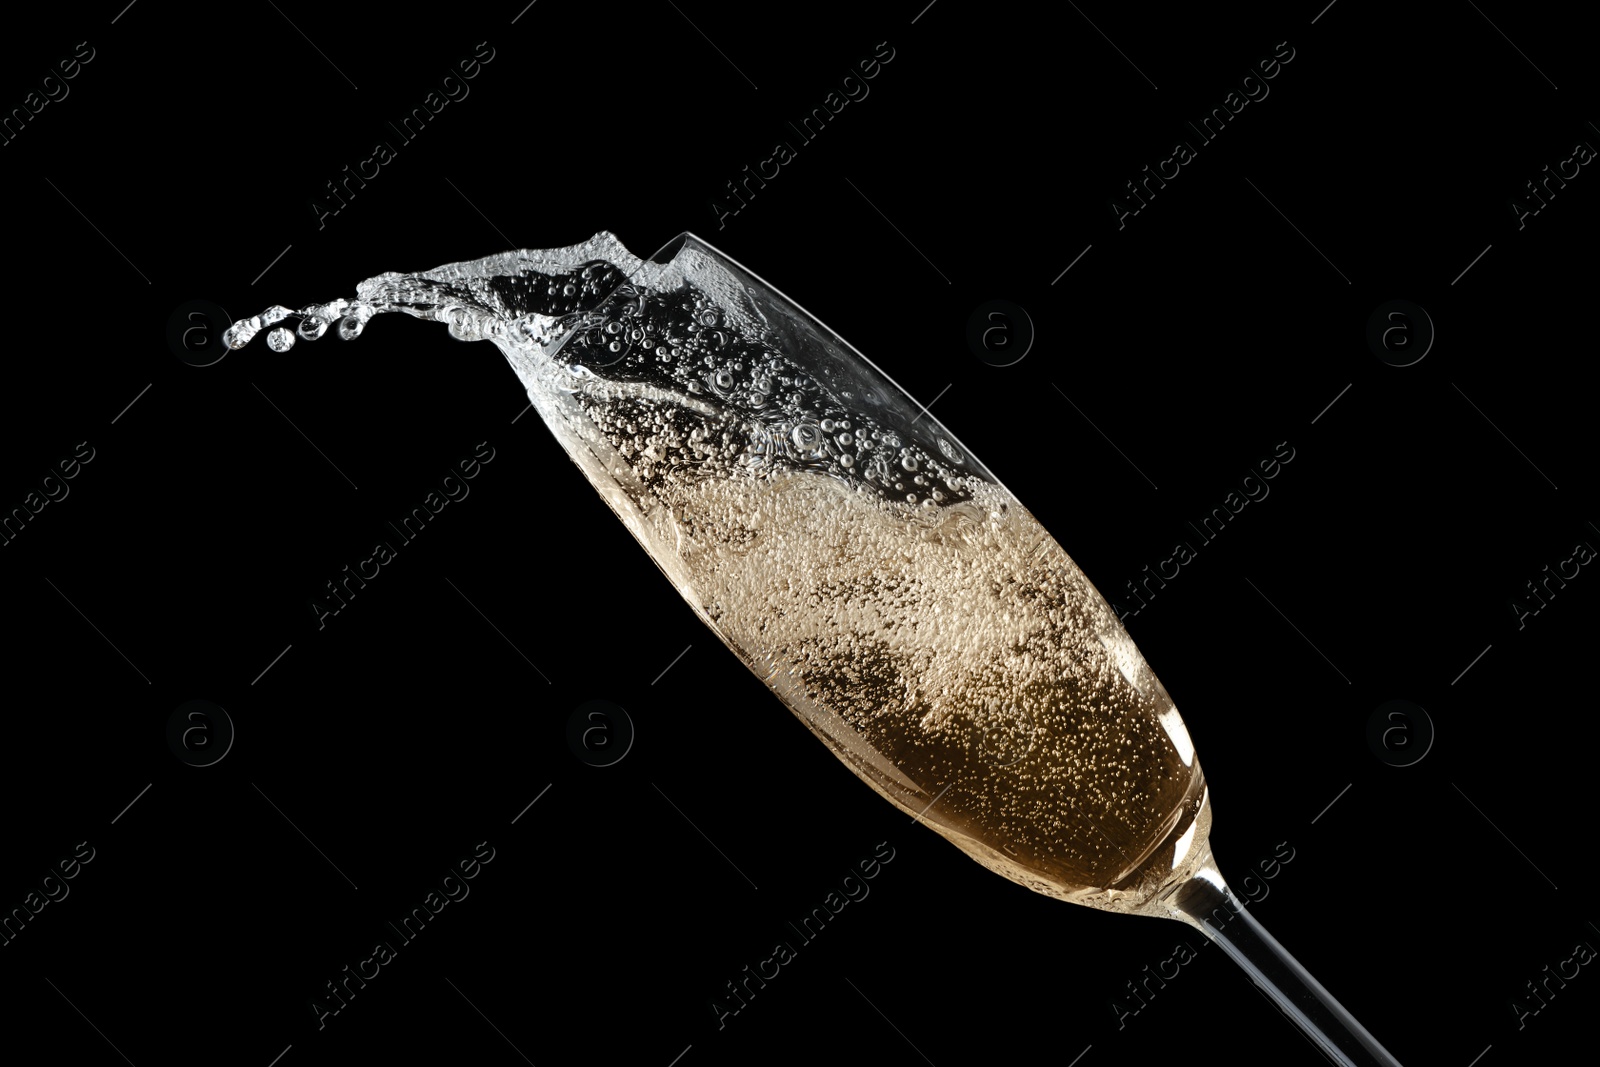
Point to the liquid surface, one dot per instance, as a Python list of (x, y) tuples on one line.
[(873, 573)]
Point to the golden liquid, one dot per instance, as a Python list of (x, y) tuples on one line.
[(955, 657), (955, 653)]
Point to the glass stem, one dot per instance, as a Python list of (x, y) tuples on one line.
[(1205, 902)]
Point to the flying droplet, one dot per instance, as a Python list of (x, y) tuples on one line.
[(238, 335)]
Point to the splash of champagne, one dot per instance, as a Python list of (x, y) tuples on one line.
[(870, 570)]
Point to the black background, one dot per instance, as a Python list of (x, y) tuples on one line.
[(427, 715)]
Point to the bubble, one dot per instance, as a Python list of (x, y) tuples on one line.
[(722, 381), (312, 327), (807, 437), (908, 461), (281, 339), (844, 439), (350, 328)]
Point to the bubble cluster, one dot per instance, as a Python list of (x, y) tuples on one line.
[(763, 414), (966, 653)]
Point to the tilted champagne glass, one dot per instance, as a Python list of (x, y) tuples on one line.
[(867, 567)]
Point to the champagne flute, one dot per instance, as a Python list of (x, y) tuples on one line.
[(868, 568)]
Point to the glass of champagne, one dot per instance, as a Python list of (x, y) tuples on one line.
[(868, 568)]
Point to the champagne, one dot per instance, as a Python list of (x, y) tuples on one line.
[(895, 596)]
